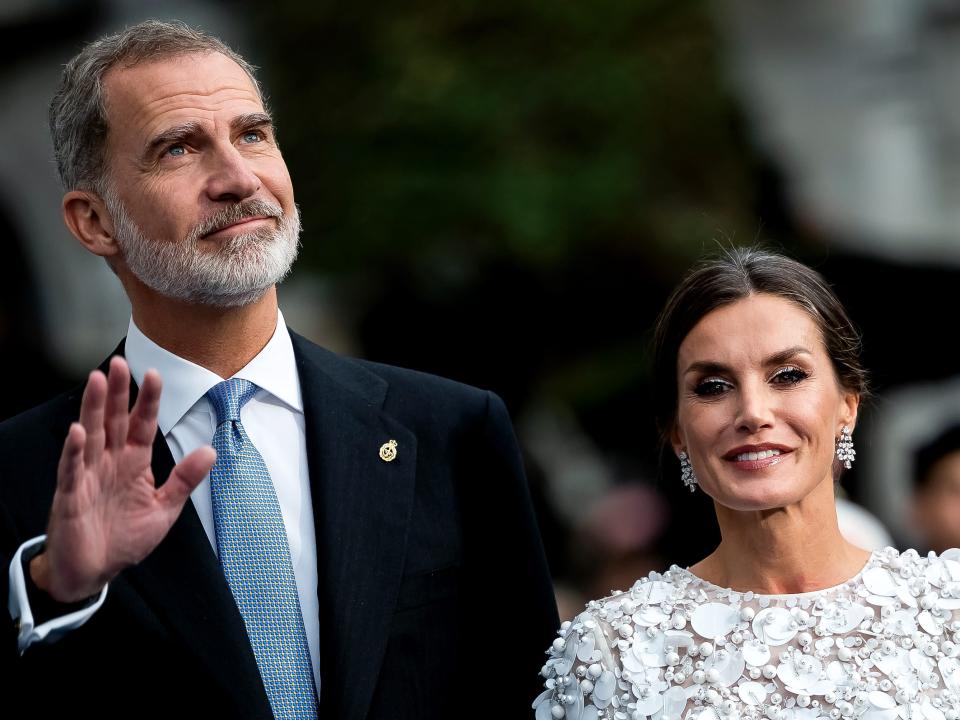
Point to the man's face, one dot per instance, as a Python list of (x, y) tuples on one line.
[(199, 194)]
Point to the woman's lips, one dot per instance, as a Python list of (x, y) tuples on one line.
[(756, 457)]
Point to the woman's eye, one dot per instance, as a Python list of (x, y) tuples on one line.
[(790, 376), (713, 386)]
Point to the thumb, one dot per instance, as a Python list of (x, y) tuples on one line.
[(185, 477)]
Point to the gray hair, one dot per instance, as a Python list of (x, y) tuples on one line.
[(78, 116)]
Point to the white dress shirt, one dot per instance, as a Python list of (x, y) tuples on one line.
[(273, 419)]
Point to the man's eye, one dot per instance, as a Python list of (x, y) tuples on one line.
[(714, 386), (253, 136), (176, 151)]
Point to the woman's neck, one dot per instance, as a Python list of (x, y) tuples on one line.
[(783, 551)]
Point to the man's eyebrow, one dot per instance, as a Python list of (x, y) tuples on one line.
[(177, 133), (192, 128), (248, 121), (709, 367)]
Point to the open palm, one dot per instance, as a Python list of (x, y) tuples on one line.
[(107, 512)]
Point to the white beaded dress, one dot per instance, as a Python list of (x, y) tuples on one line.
[(882, 646)]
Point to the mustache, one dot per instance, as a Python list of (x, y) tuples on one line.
[(231, 214)]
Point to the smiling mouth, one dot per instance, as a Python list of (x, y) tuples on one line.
[(238, 223), (762, 455), (757, 457)]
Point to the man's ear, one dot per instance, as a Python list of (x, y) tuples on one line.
[(87, 218)]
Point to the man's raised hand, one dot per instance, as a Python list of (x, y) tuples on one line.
[(107, 512)]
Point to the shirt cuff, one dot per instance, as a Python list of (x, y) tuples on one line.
[(19, 603)]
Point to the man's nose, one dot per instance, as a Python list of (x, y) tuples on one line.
[(231, 177)]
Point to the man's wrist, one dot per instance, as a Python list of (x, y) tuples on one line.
[(36, 568), (38, 617), (42, 603)]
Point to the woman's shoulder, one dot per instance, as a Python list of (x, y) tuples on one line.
[(586, 662), (654, 589), (647, 603), (891, 573)]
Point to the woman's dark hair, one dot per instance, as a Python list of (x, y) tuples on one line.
[(732, 275)]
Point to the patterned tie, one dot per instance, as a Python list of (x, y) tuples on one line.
[(252, 546)]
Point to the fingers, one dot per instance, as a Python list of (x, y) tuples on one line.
[(91, 416), (186, 476), (70, 469), (116, 414), (143, 417)]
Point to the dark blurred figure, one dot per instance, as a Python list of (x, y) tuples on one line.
[(20, 324), (936, 491)]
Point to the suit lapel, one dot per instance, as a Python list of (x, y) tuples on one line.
[(182, 582), (362, 506)]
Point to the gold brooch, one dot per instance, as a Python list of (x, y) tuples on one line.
[(388, 451)]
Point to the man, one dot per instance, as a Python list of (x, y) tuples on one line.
[(364, 545)]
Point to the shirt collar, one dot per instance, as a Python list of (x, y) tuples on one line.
[(273, 369)]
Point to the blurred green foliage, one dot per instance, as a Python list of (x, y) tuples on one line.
[(436, 133), (508, 190)]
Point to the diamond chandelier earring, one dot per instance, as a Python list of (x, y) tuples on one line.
[(845, 452), (686, 471)]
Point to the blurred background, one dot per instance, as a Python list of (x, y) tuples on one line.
[(505, 192)]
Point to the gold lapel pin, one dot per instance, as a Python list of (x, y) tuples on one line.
[(388, 451)]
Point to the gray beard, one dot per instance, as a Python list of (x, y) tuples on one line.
[(237, 272)]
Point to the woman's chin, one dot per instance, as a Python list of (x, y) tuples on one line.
[(756, 497)]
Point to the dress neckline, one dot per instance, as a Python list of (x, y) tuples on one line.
[(809, 593)]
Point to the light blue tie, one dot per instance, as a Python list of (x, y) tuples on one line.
[(255, 557)]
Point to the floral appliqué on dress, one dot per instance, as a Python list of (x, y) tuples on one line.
[(885, 645)]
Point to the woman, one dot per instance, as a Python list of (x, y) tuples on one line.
[(760, 380)]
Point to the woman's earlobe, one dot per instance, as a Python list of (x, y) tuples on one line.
[(675, 440)]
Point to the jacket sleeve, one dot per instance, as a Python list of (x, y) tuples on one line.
[(508, 579)]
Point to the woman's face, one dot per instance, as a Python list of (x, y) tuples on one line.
[(759, 404)]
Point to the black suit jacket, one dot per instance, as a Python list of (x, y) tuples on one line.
[(434, 595)]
